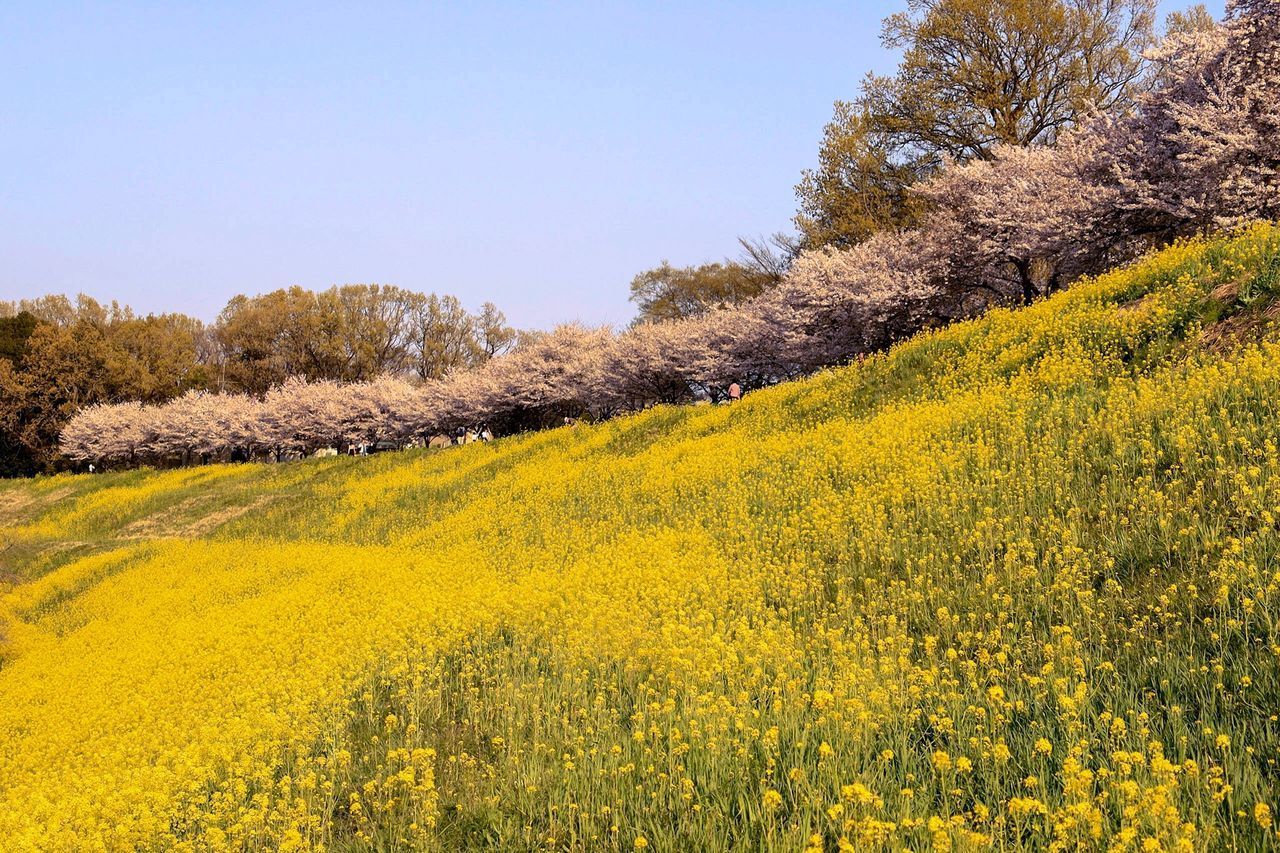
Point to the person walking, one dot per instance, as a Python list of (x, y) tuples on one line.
[(735, 392)]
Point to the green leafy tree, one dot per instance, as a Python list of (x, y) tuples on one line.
[(666, 292), (861, 185), (493, 336), (444, 337), (156, 358), (57, 356), (1196, 19), (64, 369), (262, 339), (14, 333), (974, 74)]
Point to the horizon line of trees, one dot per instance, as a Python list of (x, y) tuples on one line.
[(58, 356), (1199, 150)]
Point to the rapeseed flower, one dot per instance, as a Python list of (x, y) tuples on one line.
[(1006, 585)]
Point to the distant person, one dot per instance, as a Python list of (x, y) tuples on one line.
[(735, 392), (91, 468)]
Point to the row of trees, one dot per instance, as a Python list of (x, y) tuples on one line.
[(352, 333), (976, 77), (58, 356), (1199, 149)]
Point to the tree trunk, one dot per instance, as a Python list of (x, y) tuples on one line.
[(1029, 290)]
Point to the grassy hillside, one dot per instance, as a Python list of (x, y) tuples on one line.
[(1015, 582)]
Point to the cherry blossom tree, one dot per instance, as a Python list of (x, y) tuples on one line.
[(464, 398), (836, 304), (741, 345), (562, 374), (239, 425), (1024, 223), (383, 409), (301, 416), (107, 432), (1202, 149), (656, 362), (185, 427)]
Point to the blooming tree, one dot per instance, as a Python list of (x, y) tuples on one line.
[(1024, 223), (114, 432), (1201, 149), (656, 362), (836, 304)]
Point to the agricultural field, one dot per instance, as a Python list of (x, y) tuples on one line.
[(1014, 583)]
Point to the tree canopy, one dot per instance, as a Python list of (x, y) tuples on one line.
[(667, 292), (974, 75), (59, 355)]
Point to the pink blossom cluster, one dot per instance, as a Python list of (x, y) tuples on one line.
[(1201, 151)]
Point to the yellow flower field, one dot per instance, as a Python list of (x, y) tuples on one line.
[(1014, 584)]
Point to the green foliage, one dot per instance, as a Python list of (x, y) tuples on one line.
[(861, 186), (14, 333), (672, 293), (974, 74)]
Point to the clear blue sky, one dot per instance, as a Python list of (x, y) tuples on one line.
[(170, 155)]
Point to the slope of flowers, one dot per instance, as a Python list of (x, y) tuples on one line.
[(1013, 583)]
